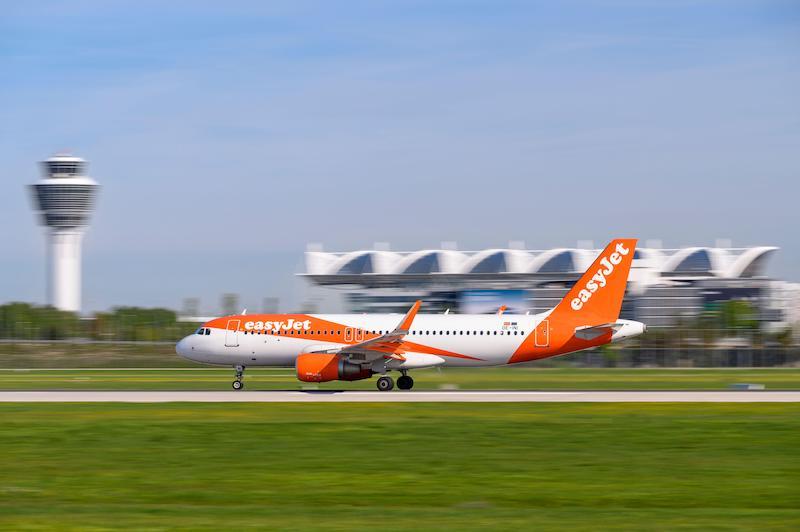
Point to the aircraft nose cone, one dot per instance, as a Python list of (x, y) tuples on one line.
[(184, 347)]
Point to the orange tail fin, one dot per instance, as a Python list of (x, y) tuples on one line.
[(597, 296)]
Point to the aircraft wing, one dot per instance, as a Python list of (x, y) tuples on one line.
[(384, 346)]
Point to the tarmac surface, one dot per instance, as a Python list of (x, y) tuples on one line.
[(400, 397)]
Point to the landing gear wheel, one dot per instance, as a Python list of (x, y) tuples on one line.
[(385, 383), (238, 384), (405, 382)]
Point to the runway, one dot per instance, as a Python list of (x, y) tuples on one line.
[(400, 397)]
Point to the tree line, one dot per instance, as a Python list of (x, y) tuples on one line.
[(24, 321)]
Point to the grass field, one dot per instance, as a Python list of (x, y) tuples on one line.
[(394, 467), (509, 378)]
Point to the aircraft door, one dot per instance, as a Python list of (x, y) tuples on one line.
[(542, 334), (232, 333)]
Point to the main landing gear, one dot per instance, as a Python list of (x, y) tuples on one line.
[(386, 383), (405, 382), (238, 384)]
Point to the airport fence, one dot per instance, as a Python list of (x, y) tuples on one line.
[(686, 358), (109, 354)]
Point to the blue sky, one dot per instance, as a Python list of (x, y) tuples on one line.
[(227, 138)]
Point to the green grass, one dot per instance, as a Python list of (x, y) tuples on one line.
[(396, 467), (511, 378)]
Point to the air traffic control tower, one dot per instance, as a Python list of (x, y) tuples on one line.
[(64, 197)]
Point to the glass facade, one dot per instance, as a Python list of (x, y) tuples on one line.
[(67, 205), (699, 261), (359, 265), (426, 264), (559, 263), (494, 263)]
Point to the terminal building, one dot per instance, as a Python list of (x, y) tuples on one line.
[(666, 286)]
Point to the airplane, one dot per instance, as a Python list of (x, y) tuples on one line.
[(350, 347)]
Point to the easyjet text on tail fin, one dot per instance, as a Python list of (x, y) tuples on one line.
[(597, 296)]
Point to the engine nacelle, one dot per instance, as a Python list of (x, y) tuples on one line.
[(320, 367)]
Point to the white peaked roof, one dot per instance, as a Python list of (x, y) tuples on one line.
[(751, 263), (561, 260), (430, 261), (649, 264), (496, 261), (363, 262)]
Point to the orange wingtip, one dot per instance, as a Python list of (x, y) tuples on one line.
[(409, 319)]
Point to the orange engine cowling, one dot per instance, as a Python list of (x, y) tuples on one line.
[(319, 367)]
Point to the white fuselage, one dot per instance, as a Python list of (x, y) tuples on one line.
[(277, 340)]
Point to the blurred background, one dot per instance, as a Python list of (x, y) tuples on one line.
[(169, 163)]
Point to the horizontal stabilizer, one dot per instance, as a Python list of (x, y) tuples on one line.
[(590, 332)]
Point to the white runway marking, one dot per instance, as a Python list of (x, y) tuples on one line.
[(400, 397)]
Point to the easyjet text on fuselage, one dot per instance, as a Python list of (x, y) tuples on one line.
[(290, 324)]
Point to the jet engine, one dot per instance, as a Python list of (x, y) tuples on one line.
[(320, 367)]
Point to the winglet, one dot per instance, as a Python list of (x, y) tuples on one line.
[(405, 325)]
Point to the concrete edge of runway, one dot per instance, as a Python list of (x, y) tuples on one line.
[(400, 397)]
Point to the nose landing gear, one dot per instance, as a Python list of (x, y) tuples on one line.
[(238, 384)]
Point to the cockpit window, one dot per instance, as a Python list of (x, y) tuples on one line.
[(199, 331), (208, 331)]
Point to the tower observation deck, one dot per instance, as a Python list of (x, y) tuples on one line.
[(64, 197)]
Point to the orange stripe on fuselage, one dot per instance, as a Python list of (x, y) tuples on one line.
[(334, 333)]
